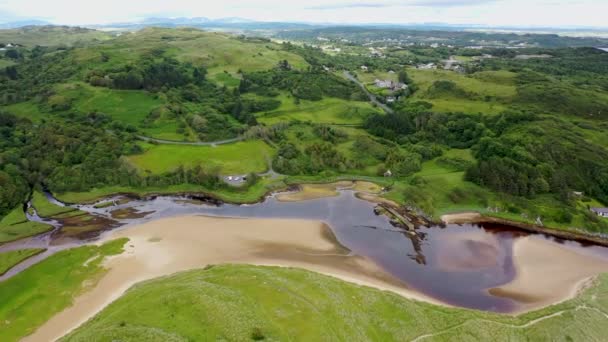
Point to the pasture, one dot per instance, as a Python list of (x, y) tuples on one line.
[(238, 158)]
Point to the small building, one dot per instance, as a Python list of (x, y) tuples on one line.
[(577, 193), (388, 173), (364, 68), (603, 212), (390, 99)]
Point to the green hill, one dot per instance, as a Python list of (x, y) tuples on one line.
[(239, 303)]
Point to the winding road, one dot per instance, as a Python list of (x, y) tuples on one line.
[(191, 143), (371, 96)]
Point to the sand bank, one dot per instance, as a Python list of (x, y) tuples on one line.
[(314, 191), (548, 273), (459, 218), (176, 244)]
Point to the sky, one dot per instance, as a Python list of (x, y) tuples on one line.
[(515, 13)]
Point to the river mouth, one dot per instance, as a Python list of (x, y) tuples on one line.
[(465, 265)]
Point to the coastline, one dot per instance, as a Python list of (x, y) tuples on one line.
[(547, 274), (171, 245), (476, 217)]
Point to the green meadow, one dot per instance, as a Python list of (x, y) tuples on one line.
[(218, 52), (489, 92), (231, 302), (228, 193), (33, 296), (237, 158), (9, 259), (329, 110), (15, 226), (27, 110), (127, 106)]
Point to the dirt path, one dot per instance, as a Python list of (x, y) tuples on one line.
[(513, 326), (191, 143)]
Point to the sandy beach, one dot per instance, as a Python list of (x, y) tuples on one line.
[(171, 245), (314, 191), (548, 273), (459, 218)]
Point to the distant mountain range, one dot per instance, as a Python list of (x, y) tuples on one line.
[(242, 24)]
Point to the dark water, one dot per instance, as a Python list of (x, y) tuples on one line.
[(455, 264)]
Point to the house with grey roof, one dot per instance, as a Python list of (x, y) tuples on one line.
[(603, 212)]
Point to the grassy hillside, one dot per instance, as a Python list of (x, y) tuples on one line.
[(487, 92), (52, 36), (328, 111), (218, 52), (270, 303)]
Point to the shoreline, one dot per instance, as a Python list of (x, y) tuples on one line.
[(456, 218), (476, 217), (566, 273), (193, 242)]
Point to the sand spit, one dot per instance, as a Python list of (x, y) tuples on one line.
[(171, 245), (460, 218), (548, 273), (314, 191)]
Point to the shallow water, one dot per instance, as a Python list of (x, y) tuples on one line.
[(455, 264)]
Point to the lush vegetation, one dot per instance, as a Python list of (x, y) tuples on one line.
[(292, 304), (238, 158), (33, 296), (15, 226), (531, 120), (12, 258)]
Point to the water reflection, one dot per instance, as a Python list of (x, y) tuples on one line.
[(453, 263)]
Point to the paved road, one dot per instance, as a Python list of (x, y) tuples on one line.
[(192, 143), (371, 96)]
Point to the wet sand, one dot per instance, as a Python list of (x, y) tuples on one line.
[(458, 218), (547, 273), (171, 245), (316, 191)]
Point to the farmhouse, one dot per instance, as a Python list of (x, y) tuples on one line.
[(426, 66), (603, 212), (388, 84)]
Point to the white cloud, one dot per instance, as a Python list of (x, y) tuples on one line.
[(556, 13)]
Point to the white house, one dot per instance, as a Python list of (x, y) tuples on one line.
[(364, 68), (603, 212)]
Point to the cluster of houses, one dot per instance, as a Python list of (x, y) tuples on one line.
[(391, 85), (4, 47)]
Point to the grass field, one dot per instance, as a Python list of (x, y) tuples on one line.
[(370, 77), (12, 258), (127, 106), (6, 63), (27, 110), (491, 91), (327, 111), (239, 303), (237, 158), (227, 194), (15, 226), (33, 296), (46, 208)]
